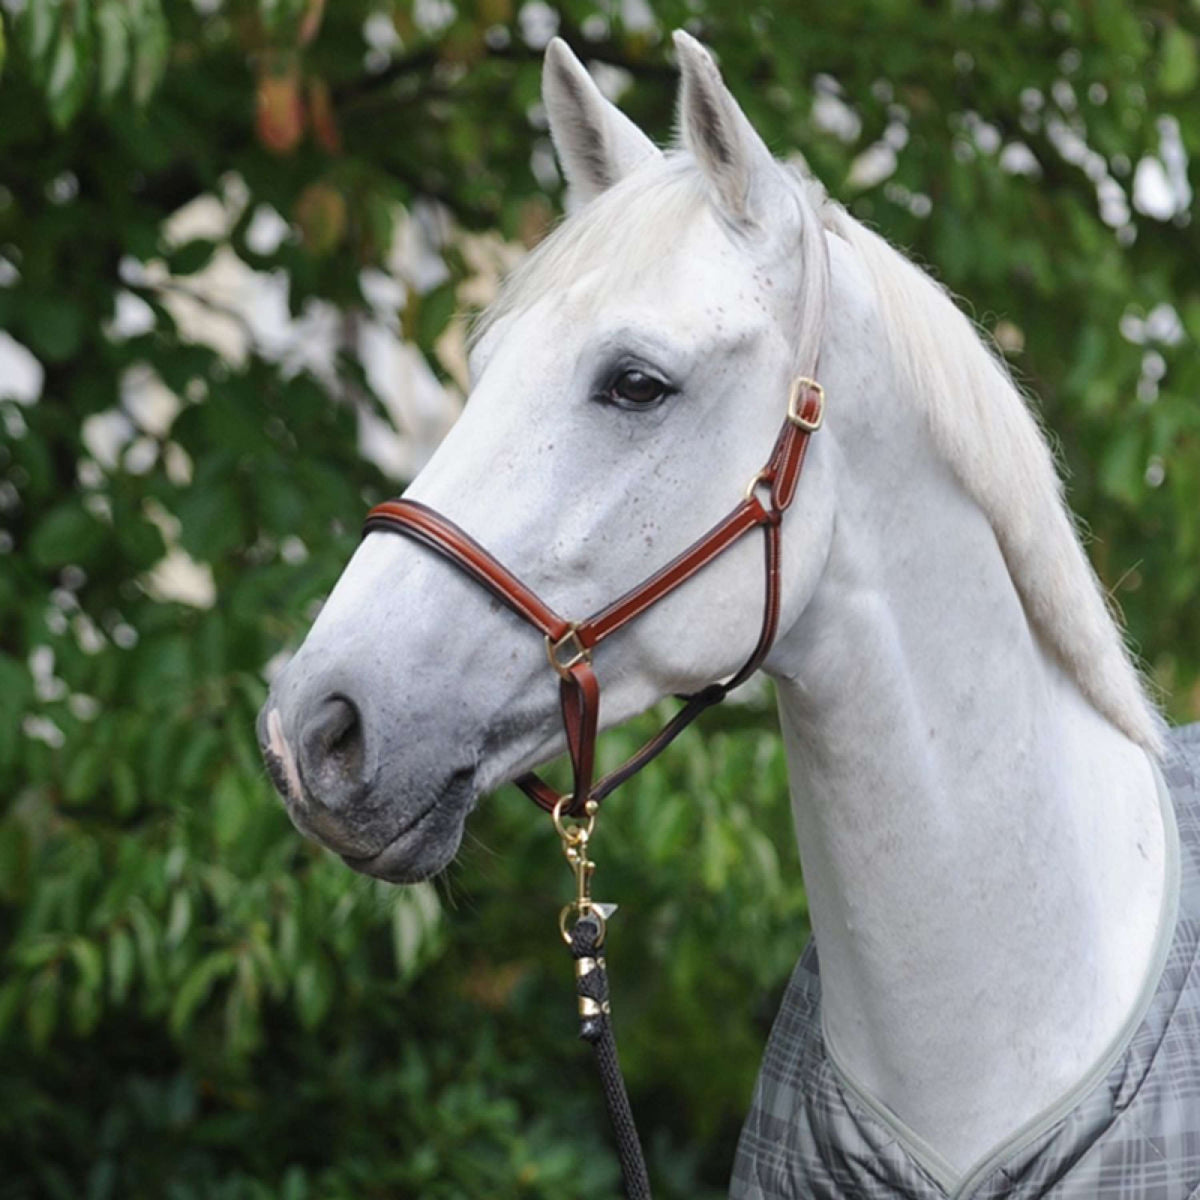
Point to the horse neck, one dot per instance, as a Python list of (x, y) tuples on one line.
[(983, 852)]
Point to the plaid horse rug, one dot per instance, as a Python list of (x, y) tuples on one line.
[(1130, 1131)]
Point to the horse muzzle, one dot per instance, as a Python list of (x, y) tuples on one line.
[(327, 775)]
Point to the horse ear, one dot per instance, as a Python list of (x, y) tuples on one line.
[(596, 143), (719, 135)]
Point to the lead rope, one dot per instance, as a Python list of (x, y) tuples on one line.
[(592, 987), (585, 938)]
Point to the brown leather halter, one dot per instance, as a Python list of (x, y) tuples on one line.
[(569, 644)]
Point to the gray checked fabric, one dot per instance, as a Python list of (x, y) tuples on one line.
[(1134, 1135)]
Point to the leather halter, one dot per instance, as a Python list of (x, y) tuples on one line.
[(569, 644)]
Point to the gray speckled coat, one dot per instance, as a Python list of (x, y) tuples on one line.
[(1131, 1131)]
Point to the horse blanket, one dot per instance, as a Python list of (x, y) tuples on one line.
[(1129, 1131)]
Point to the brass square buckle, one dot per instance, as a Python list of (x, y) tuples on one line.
[(570, 645), (802, 388)]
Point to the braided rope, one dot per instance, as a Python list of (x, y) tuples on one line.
[(596, 1028)]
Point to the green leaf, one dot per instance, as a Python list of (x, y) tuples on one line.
[(196, 987), (191, 257), (10, 1003), (88, 962), (120, 964), (124, 786), (102, 1180), (229, 808), (16, 687), (63, 65), (140, 541), (1180, 64), (212, 522), (67, 535), (40, 20), (1124, 465), (87, 996), (41, 1004), (147, 937), (113, 53), (53, 326), (295, 1184), (180, 919), (83, 775), (202, 749), (436, 309), (70, 67), (415, 916), (152, 48)]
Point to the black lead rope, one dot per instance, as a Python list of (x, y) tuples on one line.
[(595, 1027)]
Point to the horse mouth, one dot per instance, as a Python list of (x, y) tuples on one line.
[(425, 843), (383, 863)]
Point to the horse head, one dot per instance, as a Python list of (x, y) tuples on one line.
[(626, 386)]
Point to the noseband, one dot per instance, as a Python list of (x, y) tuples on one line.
[(570, 644)]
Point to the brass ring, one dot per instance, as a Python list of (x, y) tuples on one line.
[(593, 911), (573, 835), (762, 477)]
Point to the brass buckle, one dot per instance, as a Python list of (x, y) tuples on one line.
[(801, 386), (573, 646)]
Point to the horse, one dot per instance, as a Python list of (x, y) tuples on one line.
[(996, 829)]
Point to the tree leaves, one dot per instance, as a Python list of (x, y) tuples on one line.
[(114, 42), (247, 1017)]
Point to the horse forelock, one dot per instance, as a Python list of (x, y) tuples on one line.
[(624, 231)]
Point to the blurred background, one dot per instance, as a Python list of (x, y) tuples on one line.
[(239, 244)]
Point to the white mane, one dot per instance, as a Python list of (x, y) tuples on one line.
[(978, 419), (987, 434)]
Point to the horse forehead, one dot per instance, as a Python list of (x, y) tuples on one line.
[(681, 292)]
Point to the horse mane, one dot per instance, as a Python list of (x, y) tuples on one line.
[(984, 429), (979, 420)]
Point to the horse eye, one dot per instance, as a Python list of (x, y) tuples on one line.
[(637, 389)]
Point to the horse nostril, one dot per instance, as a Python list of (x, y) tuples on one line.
[(332, 751)]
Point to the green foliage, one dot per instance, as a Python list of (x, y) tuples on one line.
[(193, 1001)]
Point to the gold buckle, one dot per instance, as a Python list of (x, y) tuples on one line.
[(801, 386), (571, 643)]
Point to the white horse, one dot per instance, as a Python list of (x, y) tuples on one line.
[(970, 751)]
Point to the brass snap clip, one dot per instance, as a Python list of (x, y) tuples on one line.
[(575, 836)]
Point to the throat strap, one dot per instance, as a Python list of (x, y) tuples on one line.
[(569, 644)]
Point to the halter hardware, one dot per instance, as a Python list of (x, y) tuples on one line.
[(570, 642), (761, 479), (575, 837), (801, 392)]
